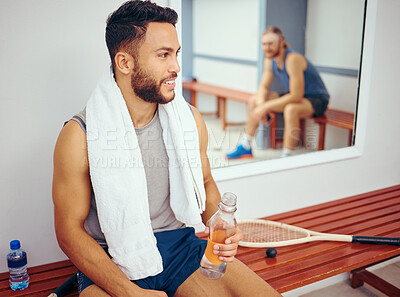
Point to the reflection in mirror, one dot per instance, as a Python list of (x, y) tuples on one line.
[(221, 46)]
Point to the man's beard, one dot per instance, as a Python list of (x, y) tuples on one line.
[(147, 88), (274, 54)]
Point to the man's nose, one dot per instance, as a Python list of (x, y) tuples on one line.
[(175, 67)]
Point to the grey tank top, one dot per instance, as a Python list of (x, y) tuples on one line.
[(155, 161)]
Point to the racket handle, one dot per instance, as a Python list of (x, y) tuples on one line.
[(377, 240), (66, 287)]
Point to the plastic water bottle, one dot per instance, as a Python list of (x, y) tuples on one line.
[(222, 225), (17, 265)]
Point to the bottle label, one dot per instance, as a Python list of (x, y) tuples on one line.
[(17, 263)]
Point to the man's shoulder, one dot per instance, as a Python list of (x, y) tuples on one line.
[(72, 129), (294, 59), (197, 116), (294, 56), (71, 141)]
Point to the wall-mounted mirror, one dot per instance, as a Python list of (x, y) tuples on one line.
[(221, 42)]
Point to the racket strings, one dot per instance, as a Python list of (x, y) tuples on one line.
[(257, 232)]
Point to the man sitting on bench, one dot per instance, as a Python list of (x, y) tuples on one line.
[(123, 206), (305, 94)]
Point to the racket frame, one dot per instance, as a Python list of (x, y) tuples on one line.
[(310, 235)]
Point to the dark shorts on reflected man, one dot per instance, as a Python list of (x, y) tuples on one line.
[(181, 251), (319, 106)]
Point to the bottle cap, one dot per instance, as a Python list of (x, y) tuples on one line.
[(15, 244)]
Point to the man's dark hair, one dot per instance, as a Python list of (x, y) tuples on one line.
[(126, 27)]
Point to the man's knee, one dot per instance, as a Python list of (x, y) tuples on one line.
[(252, 103), (291, 111)]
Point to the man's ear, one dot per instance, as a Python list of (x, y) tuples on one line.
[(283, 41), (124, 62)]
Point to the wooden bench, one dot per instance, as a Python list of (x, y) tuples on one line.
[(334, 117), (375, 213), (222, 95)]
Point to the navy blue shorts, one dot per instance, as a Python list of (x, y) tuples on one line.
[(319, 106), (181, 251)]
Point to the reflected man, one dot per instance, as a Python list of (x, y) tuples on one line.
[(305, 94)]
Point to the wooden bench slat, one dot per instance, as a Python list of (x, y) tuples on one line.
[(356, 207), (337, 117), (223, 94), (349, 217), (59, 273), (218, 91), (375, 195), (50, 267)]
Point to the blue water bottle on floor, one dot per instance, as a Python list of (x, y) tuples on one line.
[(17, 265)]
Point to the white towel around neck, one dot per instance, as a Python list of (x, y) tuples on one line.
[(119, 181)]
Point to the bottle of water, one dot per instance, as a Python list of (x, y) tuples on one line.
[(222, 225), (17, 265)]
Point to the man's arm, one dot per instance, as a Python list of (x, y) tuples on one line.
[(72, 198), (296, 64), (228, 250), (266, 81), (212, 192)]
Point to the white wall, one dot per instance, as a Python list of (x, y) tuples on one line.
[(219, 30), (49, 69), (333, 39), (226, 29), (333, 32), (51, 55)]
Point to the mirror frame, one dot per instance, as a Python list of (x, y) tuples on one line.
[(319, 157)]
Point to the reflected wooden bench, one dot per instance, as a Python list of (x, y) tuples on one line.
[(334, 117), (221, 93), (375, 213)]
